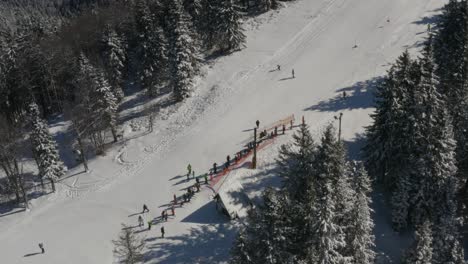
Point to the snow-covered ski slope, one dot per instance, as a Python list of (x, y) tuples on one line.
[(313, 37)]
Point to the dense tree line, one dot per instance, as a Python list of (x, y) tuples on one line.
[(321, 214), (77, 57), (417, 145)]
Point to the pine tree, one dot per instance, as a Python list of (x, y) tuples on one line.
[(44, 148), (400, 203), (387, 148), (230, 35), (155, 60), (360, 231), (183, 52), (208, 22), (329, 235), (433, 154), (107, 103), (114, 59), (265, 238), (240, 253), (447, 247), (96, 105), (421, 251), (128, 247), (295, 163)]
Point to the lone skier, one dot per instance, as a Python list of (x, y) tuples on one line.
[(293, 73), (189, 169), (41, 246), (215, 168), (278, 67), (162, 231), (145, 208), (257, 123), (140, 221)]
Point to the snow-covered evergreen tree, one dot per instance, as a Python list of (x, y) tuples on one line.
[(184, 55), (329, 235), (115, 59), (96, 102), (240, 253), (107, 104), (229, 31), (400, 202), (295, 163), (421, 250), (360, 231), (155, 60), (447, 247), (265, 238), (433, 153), (387, 146), (44, 148)]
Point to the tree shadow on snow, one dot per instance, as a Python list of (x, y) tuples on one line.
[(31, 254), (354, 147), (358, 96), (209, 243), (207, 214)]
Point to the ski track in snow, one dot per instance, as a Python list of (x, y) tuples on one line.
[(193, 109)]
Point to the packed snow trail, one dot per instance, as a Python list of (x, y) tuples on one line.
[(316, 39)]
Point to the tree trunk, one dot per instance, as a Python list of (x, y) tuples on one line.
[(114, 133), (52, 183), (82, 153)]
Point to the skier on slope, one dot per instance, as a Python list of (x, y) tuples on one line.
[(162, 231), (257, 123), (149, 224), (215, 167), (41, 246), (145, 208), (293, 73), (140, 221), (189, 169), (278, 67)]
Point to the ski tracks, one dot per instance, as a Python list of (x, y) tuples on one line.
[(184, 115)]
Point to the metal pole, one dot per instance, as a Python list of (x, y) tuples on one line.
[(254, 159)]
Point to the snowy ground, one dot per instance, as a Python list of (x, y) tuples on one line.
[(316, 38)]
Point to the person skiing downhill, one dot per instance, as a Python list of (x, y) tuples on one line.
[(41, 246), (278, 67), (162, 231), (140, 221), (145, 208), (257, 123), (149, 225), (189, 169), (293, 73)]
